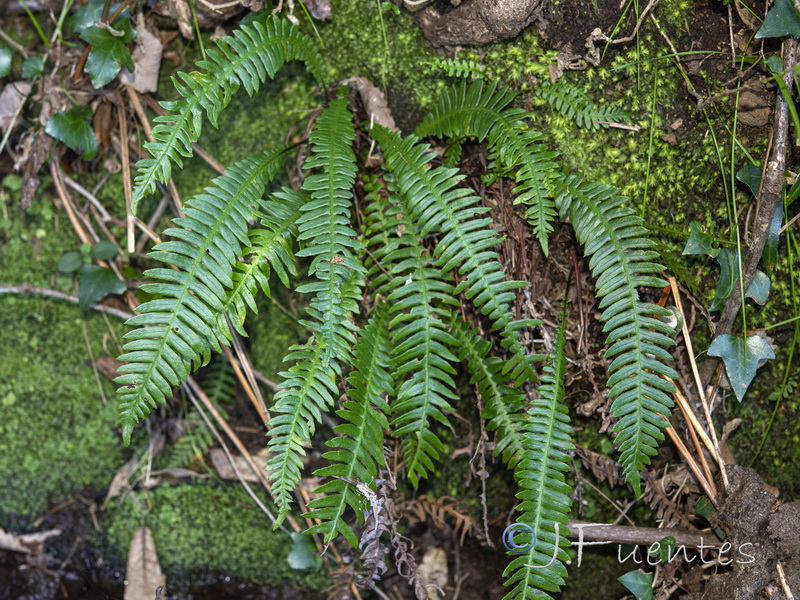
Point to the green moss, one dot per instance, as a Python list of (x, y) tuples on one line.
[(209, 527), (353, 44), (56, 435)]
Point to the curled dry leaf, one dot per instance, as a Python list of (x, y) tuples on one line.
[(434, 572), (27, 543), (374, 102), (146, 61), (143, 577), (12, 98)]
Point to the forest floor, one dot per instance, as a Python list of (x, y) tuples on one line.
[(211, 539)]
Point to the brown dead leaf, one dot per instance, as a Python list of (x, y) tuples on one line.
[(434, 572), (12, 98), (27, 543), (143, 576), (146, 61), (221, 464), (180, 11), (374, 102)]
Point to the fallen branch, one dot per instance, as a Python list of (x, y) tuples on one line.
[(26, 289)]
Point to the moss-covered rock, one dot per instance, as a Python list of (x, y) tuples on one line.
[(209, 527), (56, 433)]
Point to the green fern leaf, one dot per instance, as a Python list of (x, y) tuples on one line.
[(246, 58), (482, 112), (308, 389), (176, 332), (621, 261), (544, 494), (359, 445), (270, 250), (504, 406), (325, 228), (439, 207), (456, 67), (324, 225), (573, 103)]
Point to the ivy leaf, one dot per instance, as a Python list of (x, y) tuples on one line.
[(639, 584), (751, 177), (741, 357), (699, 242), (728, 276), (33, 66), (5, 61), (104, 250), (74, 130), (89, 15), (304, 553), (70, 262), (782, 19), (666, 548), (96, 283), (770, 254), (109, 53), (758, 289)]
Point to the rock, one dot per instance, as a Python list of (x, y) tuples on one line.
[(476, 22), (754, 109)]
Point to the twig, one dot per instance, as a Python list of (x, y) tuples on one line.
[(784, 584), (700, 388), (644, 536), (642, 17), (232, 462), (90, 197), (26, 289), (126, 171), (690, 461)]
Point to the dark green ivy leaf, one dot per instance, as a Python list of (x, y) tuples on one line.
[(104, 250), (74, 130), (782, 19), (109, 53), (639, 584), (751, 177), (758, 289), (699, 242), (666, 548), (5, 61), (728, 276), (96, 283), (741, 357), (89, 15), (774, 64), (304, 553), (70, 262), (33, 66)]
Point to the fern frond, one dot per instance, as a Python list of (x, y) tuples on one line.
[(246, 58), (270, 250), (359, 445), (544, 494), (504, 406), (482, 112), (439, 207), (457, 67), (621, 261), (324, 226), (573, 103), (176, 331), (308, 389)]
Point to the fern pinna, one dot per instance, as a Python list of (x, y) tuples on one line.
[(387, 298)]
